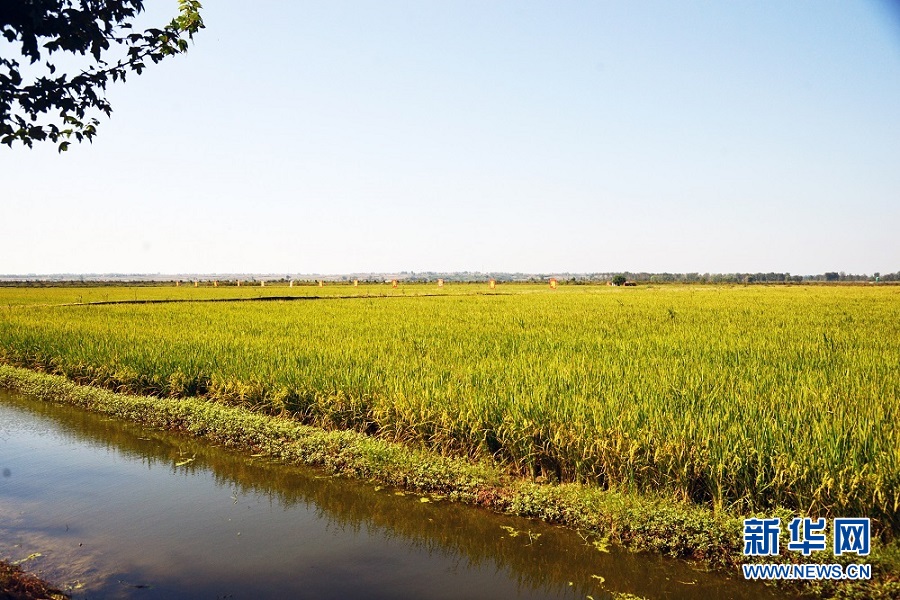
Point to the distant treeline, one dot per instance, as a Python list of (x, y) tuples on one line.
[(644, 277), (831, 276), (455, 277)]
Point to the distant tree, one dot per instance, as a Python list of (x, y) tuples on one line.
[(619, 280), (832, 276), (43, 105)]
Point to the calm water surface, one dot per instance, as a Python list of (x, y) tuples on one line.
[(107, 509)]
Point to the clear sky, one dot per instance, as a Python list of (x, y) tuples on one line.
[(337, 136)]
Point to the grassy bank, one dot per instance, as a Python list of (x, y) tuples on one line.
[(16, 584), (640, 522)]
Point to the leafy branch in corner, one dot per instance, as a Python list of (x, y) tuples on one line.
[(46, 106)]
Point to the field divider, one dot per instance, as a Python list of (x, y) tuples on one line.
[(262, 299)]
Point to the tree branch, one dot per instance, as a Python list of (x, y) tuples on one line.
[(75, 97)]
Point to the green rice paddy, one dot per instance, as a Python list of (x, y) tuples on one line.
[(743, 398)]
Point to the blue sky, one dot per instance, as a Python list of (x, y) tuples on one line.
[(335, 137)]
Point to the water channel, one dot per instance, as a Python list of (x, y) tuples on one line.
[(109, 509)]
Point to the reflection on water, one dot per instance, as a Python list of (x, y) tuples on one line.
[(118, 511)]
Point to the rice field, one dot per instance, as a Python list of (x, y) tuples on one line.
[(744, 398)]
